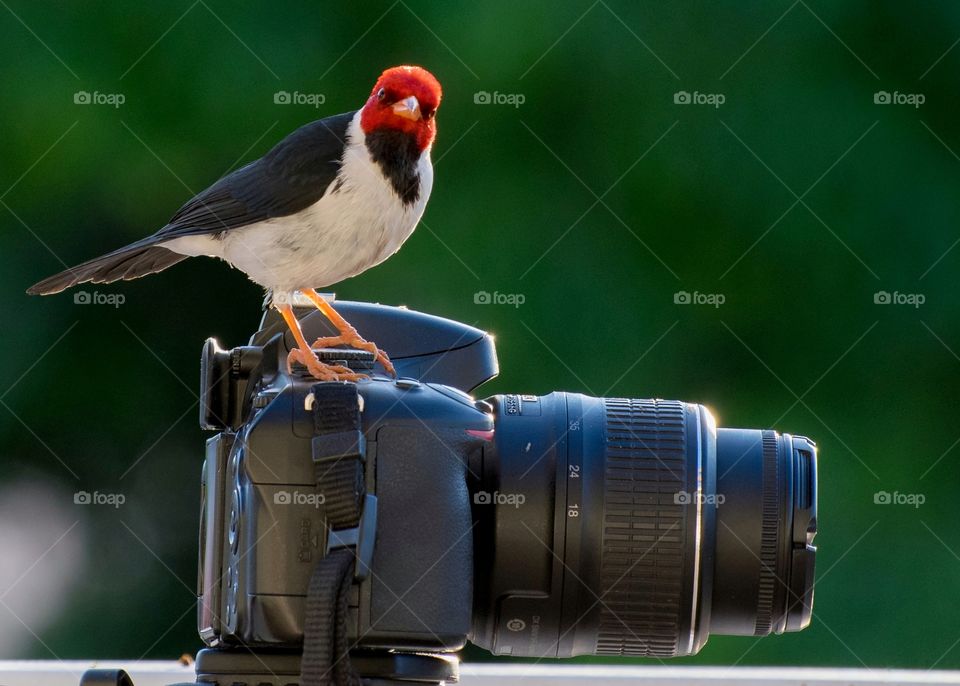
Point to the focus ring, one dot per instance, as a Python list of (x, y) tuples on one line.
[(644, 528), (769, 535)]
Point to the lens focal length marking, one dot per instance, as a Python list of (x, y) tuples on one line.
[(571, 474)]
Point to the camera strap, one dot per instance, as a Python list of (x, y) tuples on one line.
[(326, 651), (338, 450)]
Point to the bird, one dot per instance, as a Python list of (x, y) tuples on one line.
[(331, 200)]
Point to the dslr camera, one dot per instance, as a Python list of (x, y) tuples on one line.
[(366, 532)]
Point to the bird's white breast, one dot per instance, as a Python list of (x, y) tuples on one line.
[(347, 231)]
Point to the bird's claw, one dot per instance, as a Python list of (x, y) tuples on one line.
[(320, 370), (354, 340)]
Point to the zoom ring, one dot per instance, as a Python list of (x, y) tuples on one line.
[(644, 528)]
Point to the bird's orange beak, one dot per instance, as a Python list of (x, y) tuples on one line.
[(408, 108)]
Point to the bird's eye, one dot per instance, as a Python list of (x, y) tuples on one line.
[(381, 94), (429, 114)]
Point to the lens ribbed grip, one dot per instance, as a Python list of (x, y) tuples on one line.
[(769, 535), (643, 528)]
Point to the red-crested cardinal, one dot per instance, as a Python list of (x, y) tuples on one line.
[(334, 198)]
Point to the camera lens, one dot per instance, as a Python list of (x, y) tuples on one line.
[(636, 528)]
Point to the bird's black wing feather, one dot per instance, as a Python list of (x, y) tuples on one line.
[(291, 177)]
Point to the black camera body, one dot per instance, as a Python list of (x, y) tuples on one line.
[(415, 467)]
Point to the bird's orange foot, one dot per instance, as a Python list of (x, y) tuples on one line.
[(320, 370), (355, 340)]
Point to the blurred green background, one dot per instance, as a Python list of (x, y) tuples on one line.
[(597, 199)]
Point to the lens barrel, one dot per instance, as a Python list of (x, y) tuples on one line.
[(635, 527)]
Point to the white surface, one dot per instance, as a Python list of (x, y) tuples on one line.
[(67, 673)]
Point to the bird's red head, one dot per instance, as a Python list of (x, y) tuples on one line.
[(405, 99)]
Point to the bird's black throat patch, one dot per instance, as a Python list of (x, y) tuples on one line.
[(397, 155)]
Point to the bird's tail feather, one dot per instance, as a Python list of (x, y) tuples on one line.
[(126, 263)]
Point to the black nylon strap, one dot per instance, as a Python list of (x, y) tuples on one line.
[(338, 449), (342, 484), (326, 651), (335, 407)]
